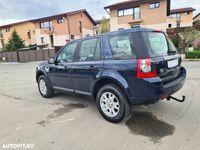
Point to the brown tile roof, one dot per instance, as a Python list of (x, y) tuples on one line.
[(182, 10), (52, 17), (135, 3), (196, 16)]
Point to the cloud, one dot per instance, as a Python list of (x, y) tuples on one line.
[(16, 10)]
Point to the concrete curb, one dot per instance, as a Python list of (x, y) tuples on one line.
[(191, 59)]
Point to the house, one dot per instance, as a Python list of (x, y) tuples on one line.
[(182, 17), (23, 29), (51, 31), (134, 13), (148, 13), (196, 19)]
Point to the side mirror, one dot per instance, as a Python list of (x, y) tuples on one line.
[(51, 61)]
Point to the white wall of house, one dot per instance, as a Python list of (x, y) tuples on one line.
[(38, 37), (86, 32), (60, 40)]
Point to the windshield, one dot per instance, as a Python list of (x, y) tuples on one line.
[(159, 44)]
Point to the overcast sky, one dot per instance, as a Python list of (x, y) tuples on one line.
[(18, 10)]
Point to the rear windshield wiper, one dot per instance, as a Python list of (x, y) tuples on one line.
[(171, 52)]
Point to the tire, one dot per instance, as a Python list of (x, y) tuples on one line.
[(108, 98), (48, 91)]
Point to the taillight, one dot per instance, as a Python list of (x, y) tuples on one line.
[(146, 68)]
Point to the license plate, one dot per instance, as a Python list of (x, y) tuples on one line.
[(172, 63)]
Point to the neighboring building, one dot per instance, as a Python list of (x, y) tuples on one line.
[(22, 28), (148, 13), (182, 17), (52, 31), (196, 19), (144, 13)]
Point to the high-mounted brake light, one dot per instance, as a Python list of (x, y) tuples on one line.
[(146, 68)]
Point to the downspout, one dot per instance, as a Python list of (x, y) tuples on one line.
[(68, 27)]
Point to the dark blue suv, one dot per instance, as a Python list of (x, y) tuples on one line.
[(118, 69)]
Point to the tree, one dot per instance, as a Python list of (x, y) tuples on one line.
[(15, 42), (191, 35), (104, 25)]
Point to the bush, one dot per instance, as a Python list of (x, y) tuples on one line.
[(193, 55)]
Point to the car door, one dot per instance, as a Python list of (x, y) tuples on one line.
[(60, 72), (87, 66)]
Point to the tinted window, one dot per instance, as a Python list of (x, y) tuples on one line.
[(89, 50), (67, 53), (121, 46), (159, 44)]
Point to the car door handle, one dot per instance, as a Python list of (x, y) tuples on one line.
[(62, 67), (93, 67)]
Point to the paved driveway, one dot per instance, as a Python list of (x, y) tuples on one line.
[(73, 122)]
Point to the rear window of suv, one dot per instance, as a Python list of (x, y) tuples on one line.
[(158, 44), (121, 46)]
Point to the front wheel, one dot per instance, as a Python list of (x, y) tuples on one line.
[(112, 103), (45, 87)]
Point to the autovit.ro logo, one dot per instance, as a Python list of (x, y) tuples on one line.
[(18, 146)]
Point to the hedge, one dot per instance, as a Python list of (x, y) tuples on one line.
[(193, 55)]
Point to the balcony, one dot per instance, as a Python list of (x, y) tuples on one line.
[(135, 21), (48, 30)]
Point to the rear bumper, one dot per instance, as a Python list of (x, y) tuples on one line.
[(154, 89)]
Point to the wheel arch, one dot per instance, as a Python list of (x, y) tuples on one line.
[(39, 73), (108, 80)]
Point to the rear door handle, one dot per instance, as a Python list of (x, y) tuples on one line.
[(93, 67), (62, 67)]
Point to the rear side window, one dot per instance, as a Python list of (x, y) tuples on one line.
[(89, 50), (158, 44), (121, 46)]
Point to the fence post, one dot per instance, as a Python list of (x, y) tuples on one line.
[(17, 56)]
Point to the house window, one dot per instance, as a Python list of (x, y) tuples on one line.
[(169, 25), (42, 40), (1, 34), (29, 34), (128, 12), (135, 25), (46, 24), (187, 13), (120, 13), (7, 29), (72, 37), (136, 13), (60, 20), (80, 26), (177, 16), (154, 5)]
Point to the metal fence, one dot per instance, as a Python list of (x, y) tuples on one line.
[(27, 55)]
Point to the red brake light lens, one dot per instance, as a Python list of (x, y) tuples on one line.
[(146, 68)]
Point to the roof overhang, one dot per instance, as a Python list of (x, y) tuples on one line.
[(182, 10)]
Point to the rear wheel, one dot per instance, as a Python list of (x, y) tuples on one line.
[(45, 87), (112, 103)]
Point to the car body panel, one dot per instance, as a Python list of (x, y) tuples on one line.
[(81, 77)]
